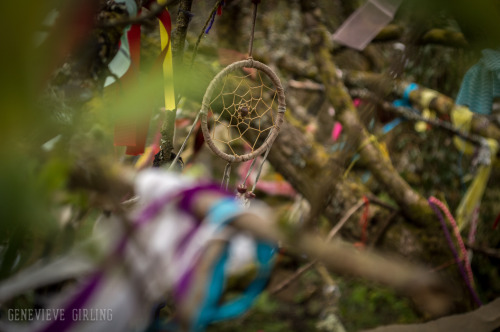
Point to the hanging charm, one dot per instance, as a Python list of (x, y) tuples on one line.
[(243, 109), (245, 104)]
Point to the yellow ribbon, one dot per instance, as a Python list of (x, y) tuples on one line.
[(476, 190), (145, 159), (168, 72), (461, 117)]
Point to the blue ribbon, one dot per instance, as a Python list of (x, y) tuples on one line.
[(408, 90), (210, 311), (213, 18), (210, 24), (403, 102)]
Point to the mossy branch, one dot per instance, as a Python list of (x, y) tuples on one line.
[(421, 98), (413, 205), (435, 36)]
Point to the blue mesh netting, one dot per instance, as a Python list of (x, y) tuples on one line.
[(481, 83)]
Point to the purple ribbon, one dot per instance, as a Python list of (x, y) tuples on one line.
[(77, 302)]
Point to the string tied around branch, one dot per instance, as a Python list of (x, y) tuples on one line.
[(212, 20), (465, 269)]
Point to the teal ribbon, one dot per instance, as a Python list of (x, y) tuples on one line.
[(210, 310), (403, 102)]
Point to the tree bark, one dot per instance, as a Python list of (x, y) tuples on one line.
[(179, 34)]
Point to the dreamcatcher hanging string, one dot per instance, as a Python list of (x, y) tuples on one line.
[(259, 170), (226, 176), (254, 19)]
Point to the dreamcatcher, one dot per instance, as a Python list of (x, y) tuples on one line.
[(241, 114)]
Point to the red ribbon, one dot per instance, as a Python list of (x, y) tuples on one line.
[(363, 221), (497, 220)]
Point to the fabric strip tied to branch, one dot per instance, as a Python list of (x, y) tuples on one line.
[(132, 133)]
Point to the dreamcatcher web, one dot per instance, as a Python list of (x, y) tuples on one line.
[(243, 112)]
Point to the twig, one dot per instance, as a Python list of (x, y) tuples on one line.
[(475, 139), (195, 50), (483, 250), (330, 236), (293, 277), (306, 85), (375, 200), (179, 35), (344, 219), (155, 9), (445, 265)]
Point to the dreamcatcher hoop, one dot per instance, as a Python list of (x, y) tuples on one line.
[(278, 120)]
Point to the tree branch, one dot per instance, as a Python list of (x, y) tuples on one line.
[(207, 22), (425, 288), (421, 97), (178, 41), (408, 114), (444, 37), (179, 34), (154, 10), (413, 206)]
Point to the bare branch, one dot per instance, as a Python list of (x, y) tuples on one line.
[(202, 32), (490, 252), (154, 10), (330, 236), (408, 114)]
